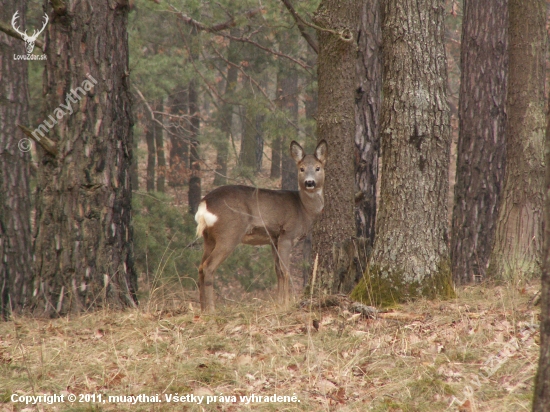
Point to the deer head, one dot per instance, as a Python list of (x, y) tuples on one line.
[(29, 40)]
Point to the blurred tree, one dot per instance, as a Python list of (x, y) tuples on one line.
[(410, 256), (481, 138), (83, 244), (517, 248), (178, 134), (159, 144), (15, 207)]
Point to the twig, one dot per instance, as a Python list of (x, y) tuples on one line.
[(217, 27)]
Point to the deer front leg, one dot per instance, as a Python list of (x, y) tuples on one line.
[(283, 276)]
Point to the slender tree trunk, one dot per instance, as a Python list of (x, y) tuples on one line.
[(159, 143), (83, 241), (336, 124), (15, 207), (410, 256), (289, 104), (367, 116), (179, 149), (194, 195), (275, 158), (481, 138), (151, 152), (541, 400), (518, 240), (247, 156), (226, 118), (259, 141)]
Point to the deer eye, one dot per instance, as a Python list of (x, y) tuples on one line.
[(302, 169), (317, 168)]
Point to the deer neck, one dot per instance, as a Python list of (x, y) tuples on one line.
[(313, 202)]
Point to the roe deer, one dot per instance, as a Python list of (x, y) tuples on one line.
[(235, 214)]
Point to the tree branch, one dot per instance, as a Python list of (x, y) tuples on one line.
[(10, 32), (48, 145), (217, 27), (300, 23)]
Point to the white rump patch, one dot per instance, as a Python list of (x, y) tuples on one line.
[(204, 218)]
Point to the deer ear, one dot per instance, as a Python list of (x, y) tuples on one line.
[(296, 151), (321, 151)]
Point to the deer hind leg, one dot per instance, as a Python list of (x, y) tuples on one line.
[(215, 252), (281, 255)]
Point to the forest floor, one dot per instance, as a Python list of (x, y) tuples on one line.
[(477, 352)]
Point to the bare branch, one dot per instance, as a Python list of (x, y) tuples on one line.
[(300, 23), (217, 27), (45, 142), (10, 32)]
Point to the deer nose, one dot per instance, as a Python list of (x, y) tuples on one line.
[(310, 184)]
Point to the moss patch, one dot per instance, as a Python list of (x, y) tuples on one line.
[(384, 287)]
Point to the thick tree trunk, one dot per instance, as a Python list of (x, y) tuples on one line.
[(83, 247), (541, 400), (15, 207), (367, 116), (518, 239), (159, 143), (336, 124), (410, 256), (481, 140), (226, 117), (179, 149)]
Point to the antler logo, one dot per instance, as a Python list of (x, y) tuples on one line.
[(29, 40)]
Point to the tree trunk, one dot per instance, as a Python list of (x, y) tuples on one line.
[(275, 158), (247, 156), (410, 256), (541, 400), (367, 117), (194, 195), (83, 247), (288, 99), (15, 208), (518, 240), (179, 127), (259, 141), (481, 139), (336, 124), (194, 158), (151, 152), (226, 117), (159, 143)]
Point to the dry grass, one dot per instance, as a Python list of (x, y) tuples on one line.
[(475, 353)]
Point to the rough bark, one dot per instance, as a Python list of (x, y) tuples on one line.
[(541, 400), (83, 240), (410, 256), (15, 207), (481, 140), (336, 124), (179, 147), (518, 239), (159, 144), (368, 101)]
